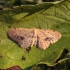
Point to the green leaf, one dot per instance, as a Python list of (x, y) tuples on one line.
[(43, 16), (61, 58)]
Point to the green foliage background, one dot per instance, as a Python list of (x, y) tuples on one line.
[(54, 15), (11, 3)]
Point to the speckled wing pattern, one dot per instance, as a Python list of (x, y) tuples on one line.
[(38, 37), (23, 36), (45, 37)]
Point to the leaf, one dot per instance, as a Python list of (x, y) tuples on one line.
[(61, 58), (44, 16)]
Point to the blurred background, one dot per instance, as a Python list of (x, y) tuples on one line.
[(11, 3)]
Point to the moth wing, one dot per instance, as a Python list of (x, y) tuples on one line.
[(39, 40), (28, 42), (35, 38), (49, 35), (22, 36), (42, 44), (52, 36), (45, 37)]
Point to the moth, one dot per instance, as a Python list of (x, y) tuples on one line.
[(40, 38)]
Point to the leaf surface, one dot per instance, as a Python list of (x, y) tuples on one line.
[(43, 16)]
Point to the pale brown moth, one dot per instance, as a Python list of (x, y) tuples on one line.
[(40, 38)]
